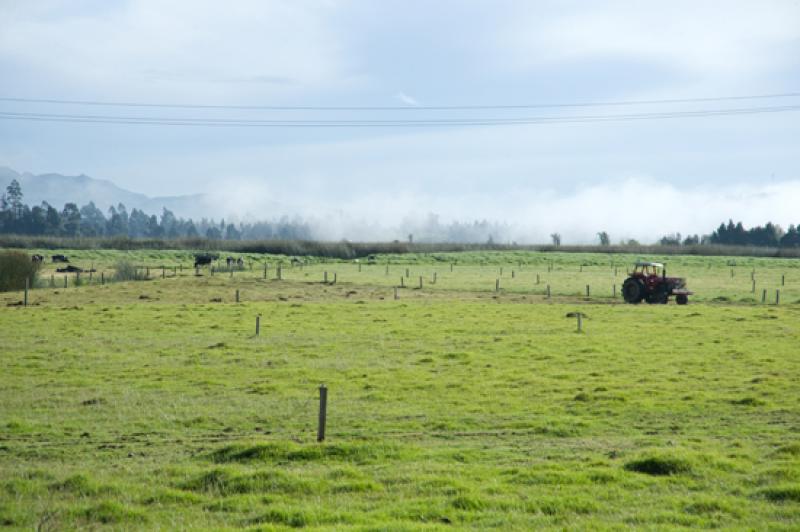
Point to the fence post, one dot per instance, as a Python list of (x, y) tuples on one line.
[(548, 291), (212, 270), (323, 412), (65, 281), (258, 325), (402, 282), (614, 291), (359, 267), (237, 295), (497, 285), (451, 267), (387, 270), (420, 282), (587, 290), (325, 277), (777, 297), (783, 279), (537, 278), (265, 270), (406, 272), (27, 283), (753, 290), (580, 321), (280, 271), (147, 275), (764, 296), (513, 274), (335, 275), (52, 280), (163, 273), (395, 293), (434, 277)]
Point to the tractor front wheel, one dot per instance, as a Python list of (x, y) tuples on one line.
[(633, 290)]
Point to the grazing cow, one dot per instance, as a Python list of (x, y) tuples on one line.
[(240, 263), (70, 269), (201, 259), (37, 259), (229, 261), (60, 258)]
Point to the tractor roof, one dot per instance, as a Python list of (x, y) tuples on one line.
[(656, 264)]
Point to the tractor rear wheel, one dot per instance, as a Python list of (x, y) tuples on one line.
[(681, 299), (633, 290)]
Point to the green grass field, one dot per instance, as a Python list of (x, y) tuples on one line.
[(153, 405)]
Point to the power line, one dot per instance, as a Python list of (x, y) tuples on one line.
[(432, 122), (100, 103)]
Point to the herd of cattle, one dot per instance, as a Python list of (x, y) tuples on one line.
[(200, 259)]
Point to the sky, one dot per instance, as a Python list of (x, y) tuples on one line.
[(632, 178)]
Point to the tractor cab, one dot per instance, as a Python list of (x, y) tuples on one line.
[(649, 269)]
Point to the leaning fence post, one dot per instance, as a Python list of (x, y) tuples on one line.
[(323, 411), (27, 283)]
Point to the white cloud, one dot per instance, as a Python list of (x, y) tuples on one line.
[(197, 49), (406, 99), (701, 39)]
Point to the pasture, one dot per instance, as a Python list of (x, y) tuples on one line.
[(153, 404)]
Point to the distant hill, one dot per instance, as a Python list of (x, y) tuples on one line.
[(57, 189)]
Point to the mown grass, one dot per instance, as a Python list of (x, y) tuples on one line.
[(454, 406)]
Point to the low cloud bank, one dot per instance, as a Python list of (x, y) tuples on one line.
[(634, 208)]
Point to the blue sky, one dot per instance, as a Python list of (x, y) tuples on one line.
[(634, 179)]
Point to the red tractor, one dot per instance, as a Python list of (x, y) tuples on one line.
[(649, 282)]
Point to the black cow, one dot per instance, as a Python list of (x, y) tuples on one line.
[(37, 259), (229, 261), (60, 258), (240, 263), (201, 259)]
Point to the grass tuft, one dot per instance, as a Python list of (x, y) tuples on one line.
[(782, 493), (660, 465)]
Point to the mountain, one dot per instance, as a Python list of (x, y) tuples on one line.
[(57, 189)]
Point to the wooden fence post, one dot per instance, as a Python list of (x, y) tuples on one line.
[(325, 277), (451, 267), (783, 279), (323, 412), (587, 290), (258, 325), (753, 289), (420, 282), (497, 285), (580, 321), (237, 295), (265, 270), (65, 281), (537, 278), (777, 297), (52, 281), (335, 275), (548, 291), (280, 271), (27, 284), (406, 272), (395, 293), (402, 282), (434, 277), (764, 296), (614, 291)]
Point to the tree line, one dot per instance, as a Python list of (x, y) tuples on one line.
[(89, 221)]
